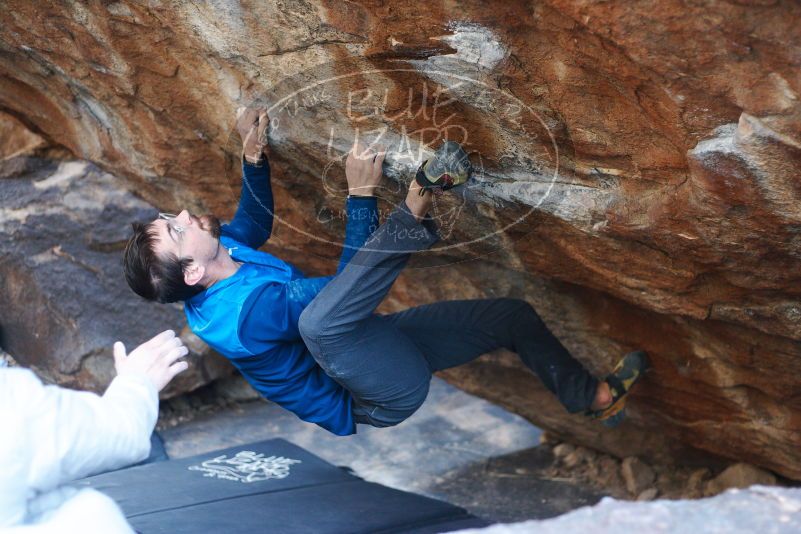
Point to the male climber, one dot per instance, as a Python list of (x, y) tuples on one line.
[(315, 345)]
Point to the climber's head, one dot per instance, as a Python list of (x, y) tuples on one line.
[(165, 260)]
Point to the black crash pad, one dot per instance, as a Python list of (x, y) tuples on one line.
[(270, 486)]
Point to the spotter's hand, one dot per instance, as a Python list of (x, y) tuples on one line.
[(157, 359)]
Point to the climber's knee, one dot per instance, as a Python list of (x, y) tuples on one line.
[(315, 324), (309, 324), (394, 411)]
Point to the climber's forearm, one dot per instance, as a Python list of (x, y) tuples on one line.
[(253, 222), (362, 221)]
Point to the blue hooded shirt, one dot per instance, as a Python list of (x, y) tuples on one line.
[(251, 317)]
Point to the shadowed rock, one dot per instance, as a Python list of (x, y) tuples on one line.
[(63, 297)]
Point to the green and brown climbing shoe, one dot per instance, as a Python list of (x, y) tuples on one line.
[(627, 372), (448, 168)]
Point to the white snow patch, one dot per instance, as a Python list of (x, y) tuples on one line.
[(761, 509)]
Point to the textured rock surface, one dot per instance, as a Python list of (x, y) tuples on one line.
[(638, 475), (16, 139), (63, 301), (759, 509), (739, 476), (672, 223)]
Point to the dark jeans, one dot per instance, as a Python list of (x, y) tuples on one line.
[(386, 361)]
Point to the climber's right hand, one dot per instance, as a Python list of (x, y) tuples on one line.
[(363, 169), (253, 127)]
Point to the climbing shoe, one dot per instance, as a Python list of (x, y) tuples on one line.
[(448, 168), (627, 372)]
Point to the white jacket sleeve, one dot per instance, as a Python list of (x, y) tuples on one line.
[(87, 512), (61, 434)]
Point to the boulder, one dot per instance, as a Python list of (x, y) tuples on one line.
[(739, 475), (609, 472), (648, 494), (637, 475), (6, 360), (696, 483), (63, 298), (579, 456), (563, 450), (637, 178)]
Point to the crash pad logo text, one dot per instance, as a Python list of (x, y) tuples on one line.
[(246, 467)]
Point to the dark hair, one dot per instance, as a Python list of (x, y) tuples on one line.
[(153, 277)]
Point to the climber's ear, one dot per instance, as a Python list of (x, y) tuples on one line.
[(193, 273)]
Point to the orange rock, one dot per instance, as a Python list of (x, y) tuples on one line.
[(16, 139)]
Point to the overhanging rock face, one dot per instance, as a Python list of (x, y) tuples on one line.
[(638, 178)]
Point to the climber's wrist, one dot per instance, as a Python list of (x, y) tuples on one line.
[(254, 156)]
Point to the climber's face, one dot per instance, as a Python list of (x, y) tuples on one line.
[(188, 236)]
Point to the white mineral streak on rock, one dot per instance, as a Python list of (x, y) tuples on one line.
[(64, 175), (752, 145), (474, 44), (102, 189), (785, 97), (574, 202), (119, 9), (84, 188), (96, 110), (228, 83), (10, 216), (518, 185), (477, 52), (721, 141), (215, 23), (760, 509), (534, 184)]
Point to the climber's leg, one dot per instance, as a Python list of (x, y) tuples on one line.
[(376, 362), (454, 332)]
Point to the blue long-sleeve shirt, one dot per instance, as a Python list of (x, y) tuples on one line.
[(251, 317)]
